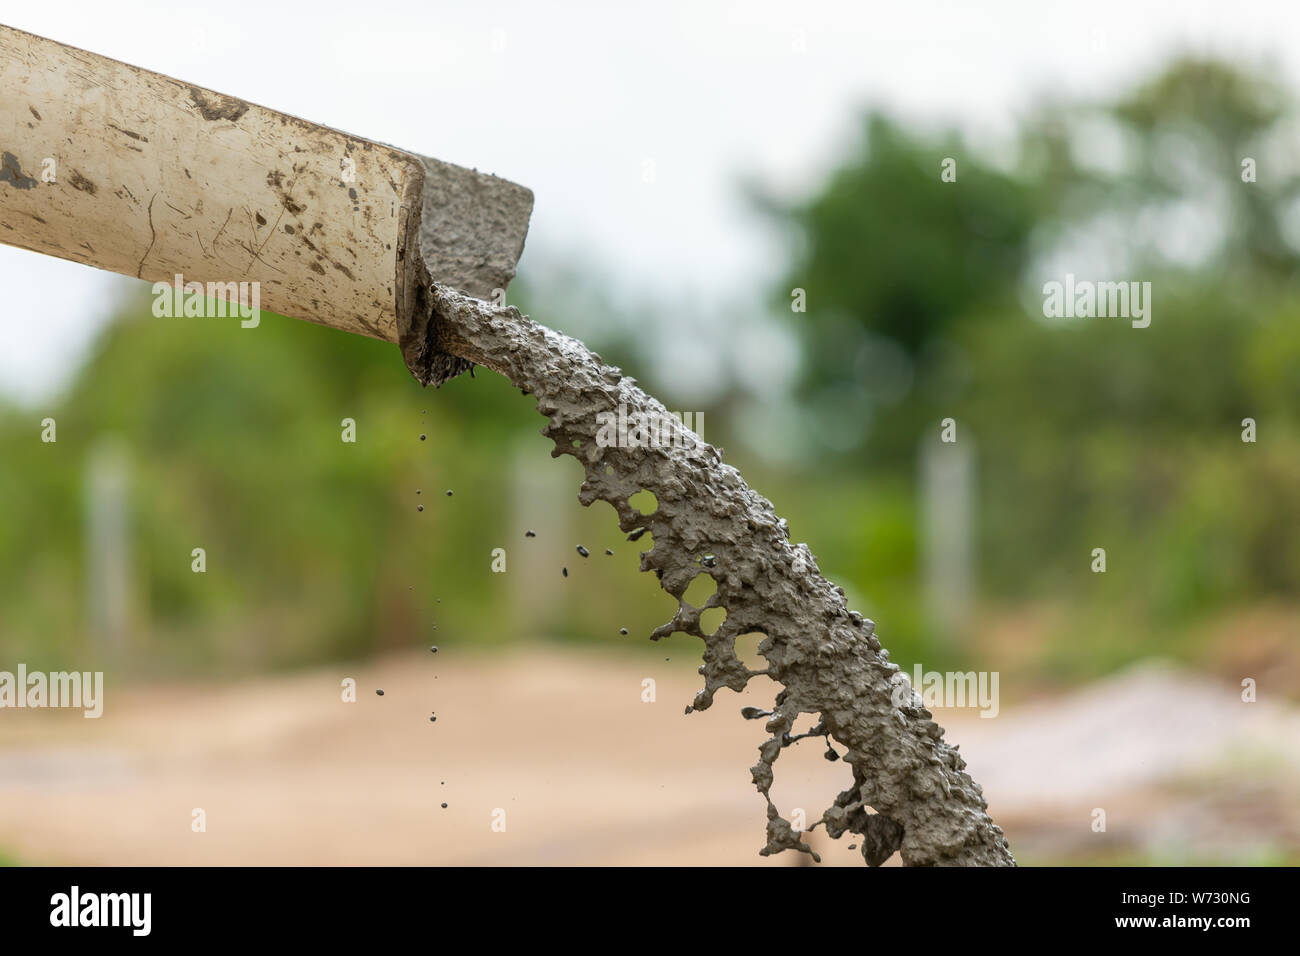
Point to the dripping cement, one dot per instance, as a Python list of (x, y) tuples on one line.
[(910, 792)]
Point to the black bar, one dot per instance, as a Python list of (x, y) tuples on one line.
[(747, 907)]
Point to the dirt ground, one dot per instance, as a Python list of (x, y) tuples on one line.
[(287, 773)]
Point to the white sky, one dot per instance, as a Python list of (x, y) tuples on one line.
[(572, 99)]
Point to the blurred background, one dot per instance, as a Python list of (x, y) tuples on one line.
[(694, 168)]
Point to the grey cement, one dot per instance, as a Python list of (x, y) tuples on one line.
[(708, 521), (469, 233)]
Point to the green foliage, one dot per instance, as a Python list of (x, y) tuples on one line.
[(924, 302), (314, 547), (890, 246)]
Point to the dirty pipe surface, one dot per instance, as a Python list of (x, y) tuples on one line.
[(708, 521)]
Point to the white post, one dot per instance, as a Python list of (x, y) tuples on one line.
[(107, 571), (947, 503)]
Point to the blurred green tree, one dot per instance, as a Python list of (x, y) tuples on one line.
[(924, 301)]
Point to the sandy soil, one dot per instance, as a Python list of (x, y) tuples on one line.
[(286, 773)]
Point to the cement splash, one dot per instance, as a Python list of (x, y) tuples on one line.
[(910, 792)]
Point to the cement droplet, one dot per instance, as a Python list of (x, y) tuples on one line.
[(444, 806), (622, 630), (434, 649), (379, 692), (448, 492), (423, 437), (433, 718), (419, 507)]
